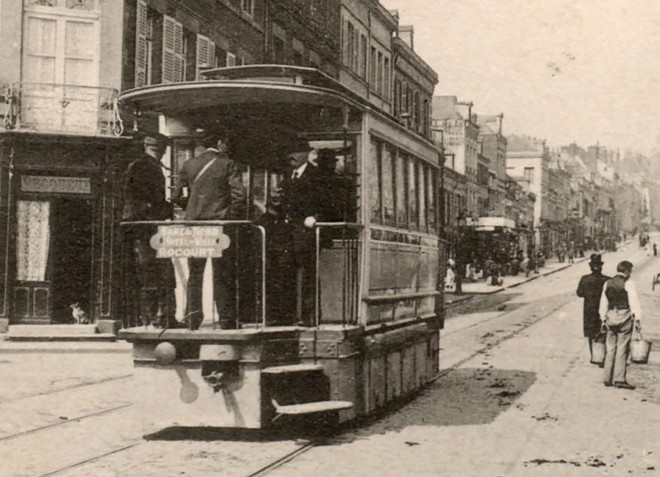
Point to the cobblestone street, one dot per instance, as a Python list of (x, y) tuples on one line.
[(518, 397)]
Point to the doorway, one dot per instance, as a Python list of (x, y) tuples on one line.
[(71, 245)]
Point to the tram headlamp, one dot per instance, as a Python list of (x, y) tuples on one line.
[(165, 353)]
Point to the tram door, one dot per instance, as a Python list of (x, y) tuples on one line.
[(53, 259)]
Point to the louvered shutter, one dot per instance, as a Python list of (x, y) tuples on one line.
[(141, 45), (205, 54), (173, 55)]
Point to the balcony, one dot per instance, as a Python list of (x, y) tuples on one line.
[(63, 109)]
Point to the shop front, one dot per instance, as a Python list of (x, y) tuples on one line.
[(59, 209)]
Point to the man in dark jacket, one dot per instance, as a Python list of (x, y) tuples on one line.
[(210, 188), (144, 199), (304, 202), (590, 288)]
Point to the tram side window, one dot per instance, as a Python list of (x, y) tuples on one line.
[(413, 209), (387, 184), (373, 183), (401, 188), (431, 197), (421, 190)]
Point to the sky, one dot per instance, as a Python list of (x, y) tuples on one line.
[(562, 70)]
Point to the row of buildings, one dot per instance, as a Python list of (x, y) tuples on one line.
[(65, 140), (533, 196)]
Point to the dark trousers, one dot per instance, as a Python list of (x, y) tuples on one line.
[(304, 267), (224, 289), (156, 284)]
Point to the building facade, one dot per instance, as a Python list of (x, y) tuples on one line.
[(61, 158)]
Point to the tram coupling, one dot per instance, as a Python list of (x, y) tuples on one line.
[(219, 365)]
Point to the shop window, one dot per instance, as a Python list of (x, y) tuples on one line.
[(373, 183), (401, 188), (32, 240)]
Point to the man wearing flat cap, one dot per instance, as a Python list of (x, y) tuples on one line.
[(590, 288), (144, 200)]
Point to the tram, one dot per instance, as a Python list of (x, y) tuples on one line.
[(373, 337)]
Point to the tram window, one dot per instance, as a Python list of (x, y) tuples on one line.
[(259, 191), (421, 190), (431, 196), (401, 189), (373, 178), (387, 184), (412, 194)]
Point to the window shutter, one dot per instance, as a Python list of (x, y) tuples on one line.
[(231, 59), (205, 54), (141, 45), (173, 54)]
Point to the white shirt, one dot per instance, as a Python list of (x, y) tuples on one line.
[(299, 171), (633, 300)]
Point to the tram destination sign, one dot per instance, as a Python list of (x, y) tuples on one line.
[(180, 241)]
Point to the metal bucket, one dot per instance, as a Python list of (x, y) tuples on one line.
[(598, 349), (640, 350)]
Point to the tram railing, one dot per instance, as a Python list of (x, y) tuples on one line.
[(258, 302), (345, 240), (182, 239)]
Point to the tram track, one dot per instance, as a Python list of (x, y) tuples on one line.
[(65, 422), (67, 388), (92, 459), (290, 456)]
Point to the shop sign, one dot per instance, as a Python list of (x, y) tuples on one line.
[(58, 185), (189, 241)]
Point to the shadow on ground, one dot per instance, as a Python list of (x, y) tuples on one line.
[(465, 397)]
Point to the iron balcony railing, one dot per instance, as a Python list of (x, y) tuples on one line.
[(60, 108)]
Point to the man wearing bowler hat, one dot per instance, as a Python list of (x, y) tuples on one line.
[(304, 201), (590, 288)]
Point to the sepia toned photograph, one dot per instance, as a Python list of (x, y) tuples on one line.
[(330, 238)]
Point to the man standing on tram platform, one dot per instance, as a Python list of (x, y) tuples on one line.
[(144, 200), (210, 188), (304, 202)]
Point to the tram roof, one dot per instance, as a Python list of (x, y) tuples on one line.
[(257, 85)]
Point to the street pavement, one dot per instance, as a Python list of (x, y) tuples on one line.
[(518, 397)]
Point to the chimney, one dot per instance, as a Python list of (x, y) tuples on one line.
[(407, 34)]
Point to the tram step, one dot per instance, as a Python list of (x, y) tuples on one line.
[(292, 368), (310, 407)]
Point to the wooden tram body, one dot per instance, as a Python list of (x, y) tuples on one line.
[(379, 309)]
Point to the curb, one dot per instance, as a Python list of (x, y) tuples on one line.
[(469, 296)]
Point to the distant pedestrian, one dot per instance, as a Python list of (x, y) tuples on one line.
[(619, 311), (655, 250), (590, 288)]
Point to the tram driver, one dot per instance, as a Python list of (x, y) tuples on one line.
[(214, 192)]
